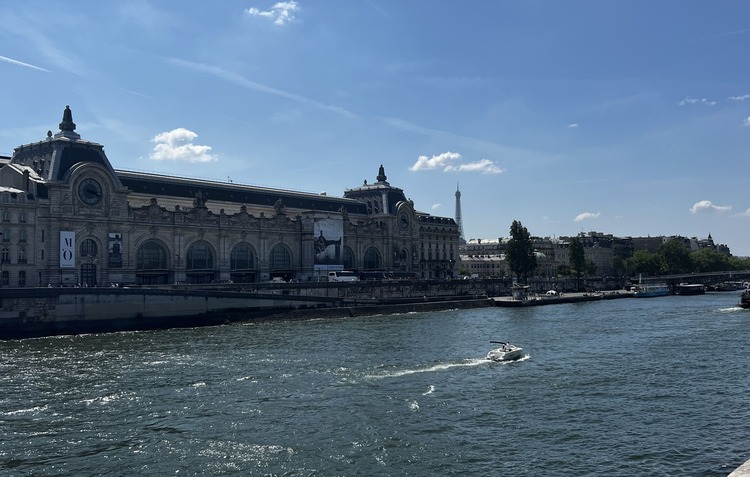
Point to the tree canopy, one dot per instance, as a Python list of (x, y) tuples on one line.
[(520, 251), (577, 259), (675, 257)]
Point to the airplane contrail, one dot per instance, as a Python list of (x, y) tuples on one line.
[(21, 63)]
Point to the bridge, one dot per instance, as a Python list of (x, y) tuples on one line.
[(708, 278)]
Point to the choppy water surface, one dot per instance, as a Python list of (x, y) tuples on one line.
[(626, 387)]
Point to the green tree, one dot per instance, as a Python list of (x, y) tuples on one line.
[(740, 263), (645, 262), (675, 257), (519, 252), (577, 258), (709, 260), (619, 266), (590, 267)]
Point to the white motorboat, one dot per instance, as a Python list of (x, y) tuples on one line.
[(505, 352)]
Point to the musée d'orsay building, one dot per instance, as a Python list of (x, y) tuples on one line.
[(69, 218)]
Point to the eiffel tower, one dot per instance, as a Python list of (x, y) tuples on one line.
[(459, 221)]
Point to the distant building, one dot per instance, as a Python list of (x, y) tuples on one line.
[(486, 257), (483, 258)]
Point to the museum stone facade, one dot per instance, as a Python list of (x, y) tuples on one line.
[(69, 218)]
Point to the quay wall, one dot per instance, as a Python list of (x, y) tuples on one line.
[(40, 312), (27, 312)]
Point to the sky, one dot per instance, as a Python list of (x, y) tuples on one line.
[(630, 118)]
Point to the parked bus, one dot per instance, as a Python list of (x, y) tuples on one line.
[(342, 276), (372, 275)]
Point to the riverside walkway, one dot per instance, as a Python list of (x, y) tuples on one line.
[(741, 471)]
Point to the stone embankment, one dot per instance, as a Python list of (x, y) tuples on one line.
[(27, 312)]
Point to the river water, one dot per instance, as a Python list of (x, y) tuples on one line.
[(644, 387)]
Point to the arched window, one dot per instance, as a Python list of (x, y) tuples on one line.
[(22, 217), (349, 262), (21, 254), (22, 278), (199, 257), (151, 264), (242, 264), (88, 248), (6, 216), (242, 257), (372, 259), (280, 258), (151, 256)]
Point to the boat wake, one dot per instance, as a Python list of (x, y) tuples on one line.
[(731, 309), (511, 361), (428, 369)]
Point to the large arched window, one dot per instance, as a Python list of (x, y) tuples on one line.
[(199, 257), (349, 262), (151, 256), (151, 264), (242, 257), (88, 248), (280, 258), (199, 264), (242, 264), (372, 259)]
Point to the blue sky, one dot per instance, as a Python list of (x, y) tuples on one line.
[(624, 117)]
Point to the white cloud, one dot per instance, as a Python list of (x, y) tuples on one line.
[(708, 206), (746, 121), (703, 101), (739, 98), (485, 166), (177, 145), (443, 160), (586, 216), (281, 12), (436, 206), (572, 125), (447, 160), (745, 213)]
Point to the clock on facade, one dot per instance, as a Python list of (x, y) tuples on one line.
[(90, 191), (403, 220)]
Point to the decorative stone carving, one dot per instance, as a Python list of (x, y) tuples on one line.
[(201, 215), (279, 207), (200, 199), (242, 218), (152, 213), (344, 214)]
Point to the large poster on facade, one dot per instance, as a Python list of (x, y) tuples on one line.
[(115, 250), (67, 249), (329, 244)]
